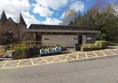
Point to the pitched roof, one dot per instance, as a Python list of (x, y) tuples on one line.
[(60, 27), (3, 17), (21, 20), (10, 20)]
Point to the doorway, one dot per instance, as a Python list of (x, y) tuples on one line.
[(78, 46), (39, 38), (79, 40)]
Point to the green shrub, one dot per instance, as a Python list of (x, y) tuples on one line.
[(21, 48), (102, 44), (96, 46), (113, 44), (90, 46), (20, 54)]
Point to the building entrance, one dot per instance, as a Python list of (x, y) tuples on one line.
[(38, 38), (79, 40)]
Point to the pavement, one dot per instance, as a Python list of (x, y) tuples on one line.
[(94, 70), (74, 56)]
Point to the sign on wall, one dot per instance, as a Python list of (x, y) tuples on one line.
[(89, 38)]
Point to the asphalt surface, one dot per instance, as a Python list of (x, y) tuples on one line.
[(102, 70)]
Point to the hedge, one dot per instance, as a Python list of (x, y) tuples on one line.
[(98, 45)]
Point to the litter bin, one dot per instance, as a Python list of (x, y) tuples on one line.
[(77, 47), (34, 52)]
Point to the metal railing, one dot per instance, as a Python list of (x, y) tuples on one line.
[(30, 44), (41, 43)]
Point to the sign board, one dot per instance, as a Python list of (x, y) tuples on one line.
[(89, 38)]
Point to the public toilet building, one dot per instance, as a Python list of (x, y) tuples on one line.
[(61, 34)]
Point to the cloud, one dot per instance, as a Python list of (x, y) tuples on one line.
[(53, 4), (115, 7), (77, 6), (52, 21), (45, 8), (12, 9), (42, 11), (30, 19)]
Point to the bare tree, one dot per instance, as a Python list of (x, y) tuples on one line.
[(69, 15)]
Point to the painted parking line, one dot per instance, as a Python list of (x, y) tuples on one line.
[(114, 52), (5, 64), (40, 61), (90, 54), (81, 55), (2, 63), (11, 64), (103, 53), (32, 61), (66, 57), (25, 62), (86, 55), (73, 56), (111, 52), (95, 53), (57, 58), (18, 63), (70, 57), (44, 59)]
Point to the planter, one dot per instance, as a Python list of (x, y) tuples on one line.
[(58, 50), (55, 50), (20, 54), (44, 52), (34, 52)]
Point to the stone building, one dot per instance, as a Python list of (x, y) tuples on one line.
[(10, 31)]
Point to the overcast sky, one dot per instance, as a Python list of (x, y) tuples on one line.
[(43, 11)]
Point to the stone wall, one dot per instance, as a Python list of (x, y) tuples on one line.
[(21, 28), (16, 28), (9, 24)]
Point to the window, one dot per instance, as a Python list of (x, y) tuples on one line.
[(46, 38), (10, 31)]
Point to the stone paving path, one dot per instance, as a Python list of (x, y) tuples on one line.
[(7, 64)]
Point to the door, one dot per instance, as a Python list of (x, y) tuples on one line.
[(80, 40), (39, 38)]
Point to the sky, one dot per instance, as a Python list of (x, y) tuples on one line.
[(43, 11)]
